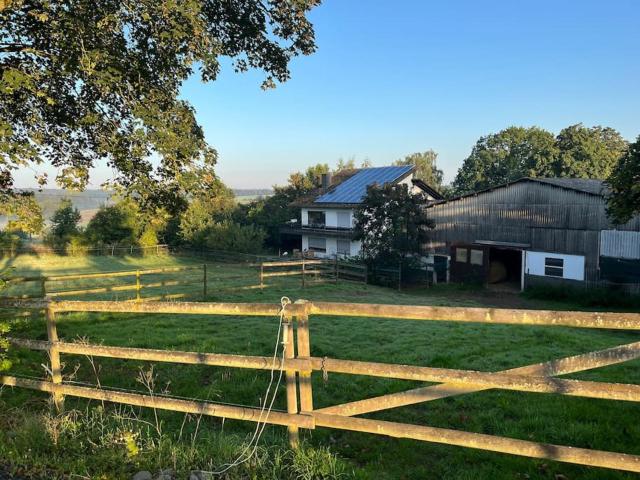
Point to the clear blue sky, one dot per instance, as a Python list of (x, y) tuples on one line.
[(394, 77)]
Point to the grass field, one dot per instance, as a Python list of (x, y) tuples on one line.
[(597, 424)]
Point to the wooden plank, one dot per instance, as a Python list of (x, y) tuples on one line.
[(165, 403), (191, 308), (559, 453), (290, 375), (281, 274), (54, 357), (506, 381), (576, 363), (168, 356), (304, 352), (624, 321)]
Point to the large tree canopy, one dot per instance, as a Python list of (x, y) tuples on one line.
[(624, 201), (576, 152), (426, 168), (391, 223), (84, 81)]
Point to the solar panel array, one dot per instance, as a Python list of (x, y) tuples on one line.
[(354, 188)]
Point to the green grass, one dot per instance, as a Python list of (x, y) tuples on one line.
[(589, 423)]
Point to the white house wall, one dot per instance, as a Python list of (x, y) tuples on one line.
[(573, 264), (331, 215), (331, 246)]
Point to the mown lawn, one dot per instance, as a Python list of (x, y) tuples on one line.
[(588, 423)]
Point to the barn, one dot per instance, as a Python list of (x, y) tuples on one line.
[(536, 230)]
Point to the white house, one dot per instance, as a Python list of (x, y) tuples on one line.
[(327, 216)]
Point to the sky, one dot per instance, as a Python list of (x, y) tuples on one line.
[(390, 78)]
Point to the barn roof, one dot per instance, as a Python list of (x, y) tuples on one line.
[(585, 185)]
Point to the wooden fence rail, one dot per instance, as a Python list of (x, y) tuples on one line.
[(47, 283), (299, 365)]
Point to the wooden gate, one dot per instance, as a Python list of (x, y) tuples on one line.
[(299, 366)]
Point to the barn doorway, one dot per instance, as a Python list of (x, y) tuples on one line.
[(505, 268)]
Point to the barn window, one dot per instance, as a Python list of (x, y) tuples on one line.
[(344, 246), (554, 267), (461, 255), (318, 244), (476, 257)]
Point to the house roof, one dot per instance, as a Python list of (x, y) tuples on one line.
[(584, 185), (353, 189)]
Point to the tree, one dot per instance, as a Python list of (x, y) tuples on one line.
[(64, 224), (114, 224), (273, 212), (624, 200), (426, 168), (233, 237), (588, 152), (94, 81), (205, 210), (506, 156), (24, 212), (391, 223), (516, 152)]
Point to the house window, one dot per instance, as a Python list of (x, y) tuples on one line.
[(461, 255), (554, 267), (344, 219), (317, 219), (476, 257), (318, 244), (344, 246)]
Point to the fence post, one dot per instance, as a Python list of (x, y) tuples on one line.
[(54, 356), (204, 281), (336, 268), (262, 277), (43, 287), (304, 351), (137, 285), (302, 272), (292, 388), (400, 276), (366, 274)]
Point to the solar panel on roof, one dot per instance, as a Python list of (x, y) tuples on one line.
[(354, 188)]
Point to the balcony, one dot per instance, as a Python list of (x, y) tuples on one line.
[(297, 228)]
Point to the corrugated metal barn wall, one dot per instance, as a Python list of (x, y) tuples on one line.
[(546, 217)]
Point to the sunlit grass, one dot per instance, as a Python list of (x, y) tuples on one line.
[(588, 423)]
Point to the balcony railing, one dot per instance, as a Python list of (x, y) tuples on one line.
[(298, 227)]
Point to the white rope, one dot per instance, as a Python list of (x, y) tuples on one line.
[(261, 425)]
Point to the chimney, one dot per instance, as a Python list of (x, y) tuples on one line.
[(326, 181)]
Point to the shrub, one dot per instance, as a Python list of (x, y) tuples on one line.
[(77, 245), (234, 237), (115, 443), (4, 344), (593, 297), (9, 241)]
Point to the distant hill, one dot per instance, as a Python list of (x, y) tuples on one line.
[(89, 201)]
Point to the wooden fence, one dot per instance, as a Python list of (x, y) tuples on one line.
[(49, 286), (299, 365), (313, 271)]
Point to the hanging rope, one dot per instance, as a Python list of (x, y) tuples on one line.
[(252, 446)]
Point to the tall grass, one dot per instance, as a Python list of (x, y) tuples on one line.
[(114, 443)]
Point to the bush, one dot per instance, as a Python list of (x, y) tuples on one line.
[(592, 297), (115, 443), (77, 245), (234, 237), (10, 241), (4, 344)]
